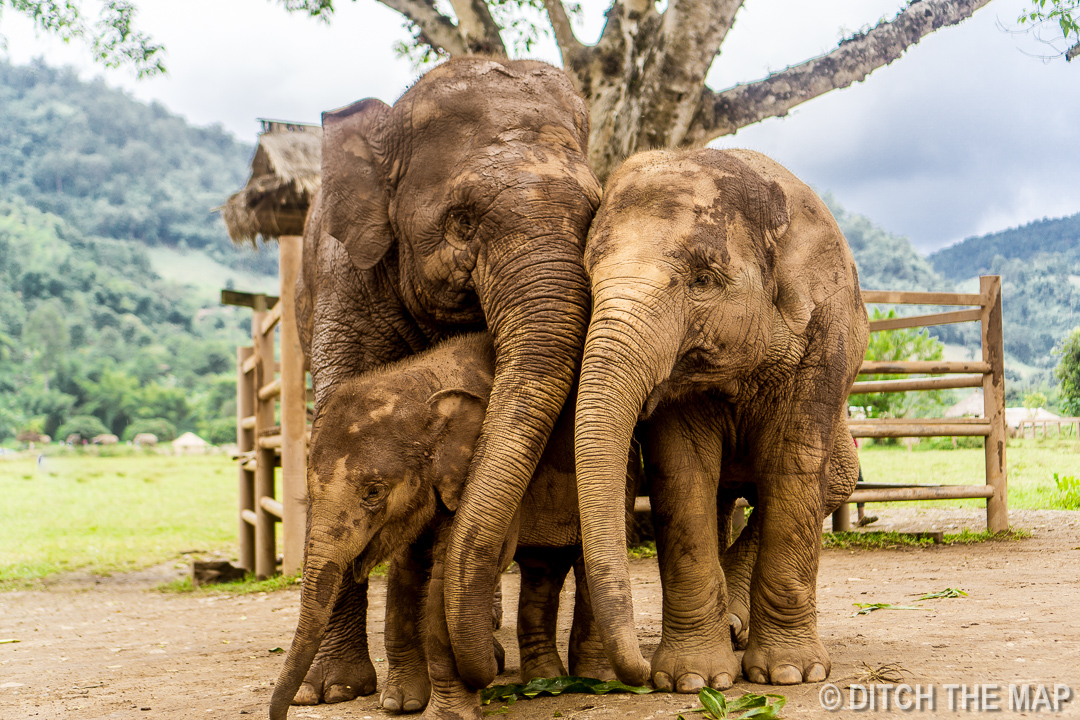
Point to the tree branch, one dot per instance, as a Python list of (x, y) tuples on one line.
[(1072, 52), (725, 112), (564, 32), (478, 29), (436, 29)]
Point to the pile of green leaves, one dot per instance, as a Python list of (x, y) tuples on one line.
[(717, 707)]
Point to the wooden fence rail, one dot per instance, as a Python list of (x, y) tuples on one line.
[(1066, 427), (263, 386), (989, 374)]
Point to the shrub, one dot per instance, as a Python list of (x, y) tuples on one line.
[(87, 427), (220, 431), (1069, 488), (162, 428)]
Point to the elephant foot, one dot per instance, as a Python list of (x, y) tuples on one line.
[(688, 669), (594, 667), (786, 664), (456, 704), (537, 663), (336, 679), (406, 690)]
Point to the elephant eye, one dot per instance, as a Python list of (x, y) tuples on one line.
[(374, 493), (460, 226), (703, 283)]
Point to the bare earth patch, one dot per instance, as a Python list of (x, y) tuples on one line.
[(116, 648)]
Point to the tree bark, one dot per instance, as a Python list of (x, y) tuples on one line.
[(644, 80)]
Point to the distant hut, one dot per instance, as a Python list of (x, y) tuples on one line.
[(189, 444), (285, 175)]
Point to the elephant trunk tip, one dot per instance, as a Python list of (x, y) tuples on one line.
[(279, 704)]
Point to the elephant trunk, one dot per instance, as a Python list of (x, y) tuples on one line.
[(326, 563), (628, 352), (538, 321)]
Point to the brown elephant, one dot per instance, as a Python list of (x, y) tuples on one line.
[(390, 456), (727, 315), (464, 205)]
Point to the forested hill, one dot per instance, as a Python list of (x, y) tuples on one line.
[(975, 255), (114, 167), (100, 197)]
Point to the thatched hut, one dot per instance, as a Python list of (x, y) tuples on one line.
[(285, 174)]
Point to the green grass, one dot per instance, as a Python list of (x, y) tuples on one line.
[(108, 514), (1031, 465), (248, 586), (884, 540)]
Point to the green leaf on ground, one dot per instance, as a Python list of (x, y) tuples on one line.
[(715, 706), (946, 593), (557, 686), (867, 608)]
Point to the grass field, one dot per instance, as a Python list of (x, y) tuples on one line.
[(1031, 466), (108, 514)]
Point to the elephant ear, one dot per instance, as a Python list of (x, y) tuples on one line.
[(457, 416), (355, 196), (805, 266)]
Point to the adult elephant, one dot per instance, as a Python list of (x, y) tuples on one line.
[(726, 313), (464, 205)]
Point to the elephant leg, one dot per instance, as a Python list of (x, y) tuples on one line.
[(783, 647), (738, 564), (586, 656), (843, 469), (451, 698), (683, 453), (543, 571), (407, 685), (342, 669)]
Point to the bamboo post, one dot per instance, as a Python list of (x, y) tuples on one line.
[(997, 510), (245, 441), (265, 532), (293, 411)]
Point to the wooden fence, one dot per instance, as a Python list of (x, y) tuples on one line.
[(1066, 427), (988, 374), (268, 437)]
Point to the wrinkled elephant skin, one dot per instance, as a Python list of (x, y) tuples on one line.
[(392, 450), (727, 316), (464, 205)]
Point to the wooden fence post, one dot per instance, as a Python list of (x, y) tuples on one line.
[(245, 442), (997, 511), (293, 412), (265, 461)]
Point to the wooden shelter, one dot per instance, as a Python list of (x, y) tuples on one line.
[(285, 175)]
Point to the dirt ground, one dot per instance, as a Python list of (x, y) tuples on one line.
[(116, 648)]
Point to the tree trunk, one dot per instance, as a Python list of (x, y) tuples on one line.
[(644, 80)]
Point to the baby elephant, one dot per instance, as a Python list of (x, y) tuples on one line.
[(389, 461)]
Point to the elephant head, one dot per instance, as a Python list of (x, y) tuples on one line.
[(389, 451), (710, 271), (464, 204)]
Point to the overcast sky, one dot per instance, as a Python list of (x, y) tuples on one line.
[(966, 134)]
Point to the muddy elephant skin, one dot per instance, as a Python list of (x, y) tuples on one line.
[(727, 316), (464, 205), (391, 454)]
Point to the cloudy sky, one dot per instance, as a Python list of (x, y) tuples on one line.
[(966, 134)]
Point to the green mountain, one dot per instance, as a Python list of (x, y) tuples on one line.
[(1039, 264), (111, 261)]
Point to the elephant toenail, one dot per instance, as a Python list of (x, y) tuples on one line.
[(816, 673), (721, 682), (413, 705), (690, 683), (662, 681), (786, 675), (391, 704), (736, 624), (757, 676)]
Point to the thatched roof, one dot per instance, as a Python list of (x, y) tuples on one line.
[(285, 173)]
